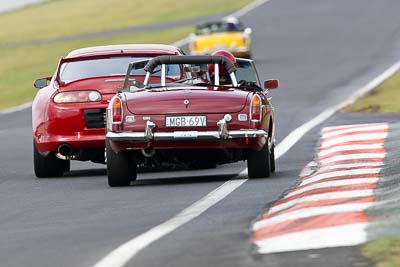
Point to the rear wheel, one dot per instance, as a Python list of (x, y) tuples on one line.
[(258, 163), (49, 165), (121, 167)]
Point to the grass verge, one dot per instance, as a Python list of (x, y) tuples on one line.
[(384, 98), (384, 252)]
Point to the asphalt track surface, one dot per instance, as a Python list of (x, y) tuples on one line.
[(321, 51)]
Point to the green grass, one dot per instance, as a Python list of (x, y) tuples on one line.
[(20, 66), (385, 98), (57, 18), (383, 252)]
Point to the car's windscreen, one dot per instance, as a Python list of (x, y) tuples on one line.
[(77, 70), (174, 71), (219, 27), (245, 71)]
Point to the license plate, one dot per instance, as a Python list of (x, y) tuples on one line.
[(186, 121)]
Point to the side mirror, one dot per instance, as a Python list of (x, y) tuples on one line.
[(248, 31), (42, 82), (271, 84)]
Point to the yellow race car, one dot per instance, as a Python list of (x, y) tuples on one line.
[(228, 34)]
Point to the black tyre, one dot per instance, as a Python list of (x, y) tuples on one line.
[(258, 163), (49, 165), (272, 158), (121, 167)]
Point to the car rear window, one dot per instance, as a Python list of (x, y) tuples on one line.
[(77, 70)]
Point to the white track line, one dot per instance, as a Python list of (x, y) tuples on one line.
[(133, 246), (310, 212), (337, 236), (248, 8), (324, 196), (16, 108), (122, 255)]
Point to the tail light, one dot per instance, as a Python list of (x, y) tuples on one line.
[(77, 96), (116, 111), (114, 114), (255, 109)]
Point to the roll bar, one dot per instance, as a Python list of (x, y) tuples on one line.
[(163, 60), (154, 62)]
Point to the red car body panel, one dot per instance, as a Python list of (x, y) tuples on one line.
[(54, 124)]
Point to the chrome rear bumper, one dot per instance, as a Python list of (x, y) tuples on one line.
[(179, 135)]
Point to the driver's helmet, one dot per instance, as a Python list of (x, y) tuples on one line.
[(222, 70)]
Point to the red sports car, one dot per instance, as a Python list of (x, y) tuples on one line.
[(68, 112), (206, 110)]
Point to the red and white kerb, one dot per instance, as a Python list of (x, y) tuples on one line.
[(327, 209)]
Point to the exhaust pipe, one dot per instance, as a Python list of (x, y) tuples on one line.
[(148, 151), (64, 152)]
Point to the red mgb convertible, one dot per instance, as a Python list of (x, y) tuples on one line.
[(205, 109), (68, 112)]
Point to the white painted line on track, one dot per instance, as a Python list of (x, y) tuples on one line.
[(248, 8), (353, 138), (341, 182), (342, 173), (337, 236), (324, 196), (122, 255), (360, 156), (343, 148), (311, 212), (16, 108), (372, 128)]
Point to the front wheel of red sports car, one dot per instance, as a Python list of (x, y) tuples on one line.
[(258, 163), (49, 165), (121, 167)]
